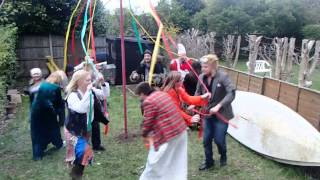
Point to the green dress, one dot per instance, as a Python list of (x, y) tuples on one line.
[(45, 127)]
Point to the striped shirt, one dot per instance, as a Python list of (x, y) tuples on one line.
[(162, 118)]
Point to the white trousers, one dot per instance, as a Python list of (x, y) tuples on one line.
[(170, 162)]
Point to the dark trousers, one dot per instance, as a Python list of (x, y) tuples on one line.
[(217, 130), (95, 138), (42, 137)]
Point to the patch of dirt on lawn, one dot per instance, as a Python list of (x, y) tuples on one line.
[(131, 136)]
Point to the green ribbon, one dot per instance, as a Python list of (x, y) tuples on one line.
[(136, 32), (89, 126)]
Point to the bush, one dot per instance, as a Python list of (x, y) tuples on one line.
[(311, 31), (8, 39)]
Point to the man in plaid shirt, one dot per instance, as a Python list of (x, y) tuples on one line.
[(164, 129)]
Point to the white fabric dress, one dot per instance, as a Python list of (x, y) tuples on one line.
[(170, 162)]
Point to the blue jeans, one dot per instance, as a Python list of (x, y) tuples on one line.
[(217, 130)]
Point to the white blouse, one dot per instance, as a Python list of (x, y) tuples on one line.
[(83, 105)]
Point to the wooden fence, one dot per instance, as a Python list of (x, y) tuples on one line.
[(32, 52), (304, 101)]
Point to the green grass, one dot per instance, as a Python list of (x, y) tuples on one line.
[(315, 78), (121, 160)]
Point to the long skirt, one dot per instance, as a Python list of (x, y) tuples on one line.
[(70, 157), (44, 133), (170, 162), (82, 151)]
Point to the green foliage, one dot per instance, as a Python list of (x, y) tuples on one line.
[(269, 17), (173, 13), (37, 16), (7, 53), (192, 6), (45, 16), (311, 31), (7, 60)]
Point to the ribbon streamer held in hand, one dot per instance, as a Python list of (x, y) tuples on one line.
[(89, 118), (73, 46), (91, 33), (105, 110), (67, 37), (219, 116), (136, 32), (155, 54), (164, 39), (84, 28)]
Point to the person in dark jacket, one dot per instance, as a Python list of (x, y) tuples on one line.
[(190, 80), (45, 109), (142, 72), (222, 94)]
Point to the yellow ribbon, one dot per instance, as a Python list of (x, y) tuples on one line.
[(51, 69), (155, 53), (67, 37)]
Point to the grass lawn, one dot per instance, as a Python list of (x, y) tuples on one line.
[(122, 160)]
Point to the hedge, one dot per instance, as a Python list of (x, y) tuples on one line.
[(8, 40), (311, 31)]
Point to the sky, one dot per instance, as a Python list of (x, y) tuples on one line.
[(135, 4)]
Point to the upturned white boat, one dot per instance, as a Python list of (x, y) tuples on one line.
[(274, 130)]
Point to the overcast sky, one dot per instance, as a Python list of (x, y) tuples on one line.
[(135, 4)]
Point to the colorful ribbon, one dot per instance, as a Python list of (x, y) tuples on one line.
[(165, 42), (219, 116), (155, 54), (73, 47), (89, 118), (91, 33), (136, 32), (67, 37), (84, 28)]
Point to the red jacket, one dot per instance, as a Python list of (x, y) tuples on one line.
[(161, 119), (181, 96), (183, 66)]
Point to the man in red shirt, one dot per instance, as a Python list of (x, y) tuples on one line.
[(164, 129), (180, 64)]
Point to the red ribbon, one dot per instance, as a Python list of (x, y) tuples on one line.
[(106, 127), (219, 116), (165, 41), (172, 41), (76, 61), (93, 48)]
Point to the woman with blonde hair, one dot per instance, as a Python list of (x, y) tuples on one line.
[(173, 86), (80, 104), (46, 107)]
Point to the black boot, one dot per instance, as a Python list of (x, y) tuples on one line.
[(223, 160), (205, 166), (77, 172)]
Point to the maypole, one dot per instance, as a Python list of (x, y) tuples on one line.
[(124, 79)]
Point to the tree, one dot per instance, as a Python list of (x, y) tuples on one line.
[(45, 16), (268, 17), (192, 6), (308, 63), (37, 16), (231, 20), (173, 14), (311, 31)]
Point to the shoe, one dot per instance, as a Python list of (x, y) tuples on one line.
[(205, 166), (223, 161), (37, 158), (100, 148)]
